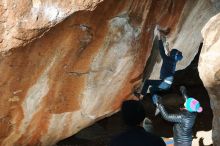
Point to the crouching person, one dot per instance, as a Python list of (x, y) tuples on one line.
[(183, 121), (133, 114)]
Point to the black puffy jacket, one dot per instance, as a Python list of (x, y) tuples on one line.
[(183, 123)]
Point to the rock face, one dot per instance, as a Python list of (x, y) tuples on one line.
[(24, 21), (186, 36), (61, 71), (209, 69)]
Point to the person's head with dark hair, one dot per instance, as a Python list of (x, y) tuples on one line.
[(133, 112)]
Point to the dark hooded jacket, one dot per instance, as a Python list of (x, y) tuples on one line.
[(169, 62), (137, 136)]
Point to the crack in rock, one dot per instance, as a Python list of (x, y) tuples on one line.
[(78, 73)]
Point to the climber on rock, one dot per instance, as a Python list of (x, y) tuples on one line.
[(183, 121), (133, 114), (167, 70)]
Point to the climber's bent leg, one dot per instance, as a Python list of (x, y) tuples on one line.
[(153, 83), (163, 86)]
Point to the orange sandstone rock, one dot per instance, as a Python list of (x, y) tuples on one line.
[(66, 64)]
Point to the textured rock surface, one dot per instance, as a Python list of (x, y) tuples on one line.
[(60, 72), (22, 21), (186, 36), (209, 69)]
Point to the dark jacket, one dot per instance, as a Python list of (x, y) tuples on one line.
[(183, 123), (169, 64), (137, 136)]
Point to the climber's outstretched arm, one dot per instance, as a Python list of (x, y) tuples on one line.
[(159, 33), (161, 49), (169, 117), (183, 92)]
